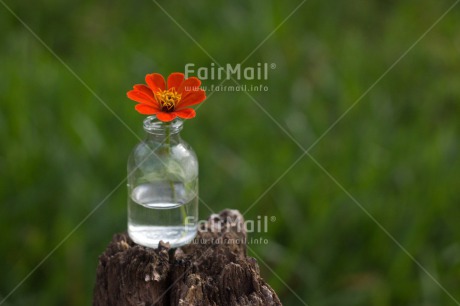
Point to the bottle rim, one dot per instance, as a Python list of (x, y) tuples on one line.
[(153, 125)]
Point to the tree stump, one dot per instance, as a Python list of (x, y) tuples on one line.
[(212, 270)]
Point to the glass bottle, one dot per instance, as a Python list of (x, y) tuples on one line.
[(162, 187)]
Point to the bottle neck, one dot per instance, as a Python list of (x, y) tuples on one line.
[(163, 131)]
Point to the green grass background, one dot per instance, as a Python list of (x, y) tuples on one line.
[(396, 152)]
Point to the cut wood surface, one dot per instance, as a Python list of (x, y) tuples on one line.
[(213, 270)]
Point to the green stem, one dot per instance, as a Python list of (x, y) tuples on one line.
[(168, 152), (171, 183)]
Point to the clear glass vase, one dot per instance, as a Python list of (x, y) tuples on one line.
[(162, 187)]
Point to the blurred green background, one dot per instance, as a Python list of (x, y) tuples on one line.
[(396, 152)]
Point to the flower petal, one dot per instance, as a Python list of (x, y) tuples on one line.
[(190, 84), (191, 98), (175, 80), (165, 117), (142, 98), (146, 109), (186, 113), (144, 89), (155, 81)]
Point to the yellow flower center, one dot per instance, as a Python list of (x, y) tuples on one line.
[(168, 99)]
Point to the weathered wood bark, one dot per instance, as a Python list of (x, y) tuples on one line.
[(212, 270)]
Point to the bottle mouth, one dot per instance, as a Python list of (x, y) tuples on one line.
[(154, 126)]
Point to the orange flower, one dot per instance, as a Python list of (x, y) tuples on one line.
[(169, 102)]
